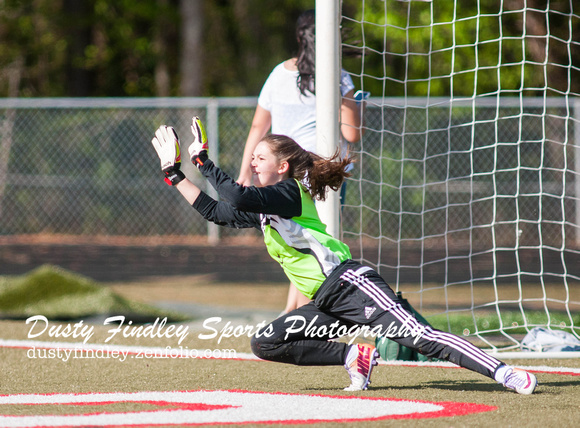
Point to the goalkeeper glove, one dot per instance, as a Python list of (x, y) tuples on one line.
[(166, 143), (198, 149)]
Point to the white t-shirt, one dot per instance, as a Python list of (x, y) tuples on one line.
[(294, 114)]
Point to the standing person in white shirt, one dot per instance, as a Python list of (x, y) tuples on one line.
[(287, 106)]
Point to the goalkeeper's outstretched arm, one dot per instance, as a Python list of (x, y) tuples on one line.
[(166, 143)]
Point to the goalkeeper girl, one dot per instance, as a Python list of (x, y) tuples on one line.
[(344, 292)]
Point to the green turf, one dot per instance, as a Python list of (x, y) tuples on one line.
[(60, 295), (554, 404)]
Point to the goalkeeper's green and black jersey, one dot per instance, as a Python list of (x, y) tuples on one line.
[(286, 214)]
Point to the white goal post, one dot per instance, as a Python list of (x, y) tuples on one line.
[(466, 191), (327, 99)]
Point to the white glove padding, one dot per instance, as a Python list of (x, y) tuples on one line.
[(166, 143), (198, 149)]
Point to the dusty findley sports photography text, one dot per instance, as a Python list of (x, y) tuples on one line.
[(160, 329)]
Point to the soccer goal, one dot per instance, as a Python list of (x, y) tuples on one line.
[(466, 191)]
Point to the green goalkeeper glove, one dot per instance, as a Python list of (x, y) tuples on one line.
[(166, 143), (198, 149)]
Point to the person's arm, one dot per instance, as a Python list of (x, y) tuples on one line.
[(224, 214), (283, 198), (189, 190), (260, 126), (166, 143), (220, 213), (350, 118)]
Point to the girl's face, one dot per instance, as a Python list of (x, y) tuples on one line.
[(266, 168)]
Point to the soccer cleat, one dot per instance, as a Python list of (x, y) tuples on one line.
[(520, 380), (359, 364)]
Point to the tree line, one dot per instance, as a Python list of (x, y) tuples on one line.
[(81, 48)]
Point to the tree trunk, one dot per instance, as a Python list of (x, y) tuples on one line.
[(14, 75), (191, 48), (161, 72), (78, 79)]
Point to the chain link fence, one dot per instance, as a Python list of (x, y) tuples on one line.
[(87, 167)]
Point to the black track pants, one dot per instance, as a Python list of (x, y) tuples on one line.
[(353, 300)]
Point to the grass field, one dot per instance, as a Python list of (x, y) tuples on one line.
[(555, 403)]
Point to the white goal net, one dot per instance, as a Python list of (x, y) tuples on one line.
[(466, 191)]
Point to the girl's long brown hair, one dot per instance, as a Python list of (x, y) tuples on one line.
[(305, 62), (317, 171)]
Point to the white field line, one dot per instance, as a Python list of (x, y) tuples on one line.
[(185, 352)]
